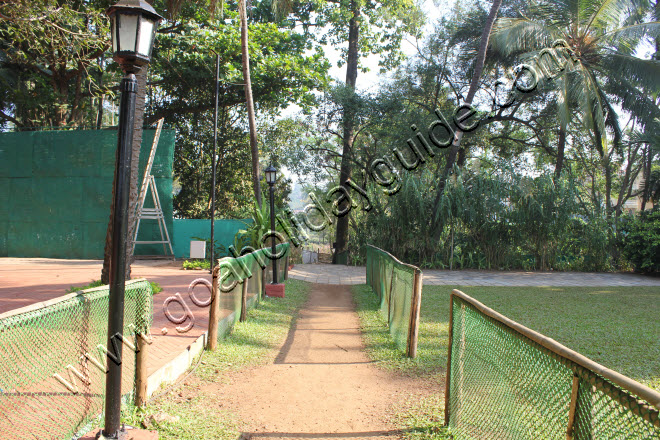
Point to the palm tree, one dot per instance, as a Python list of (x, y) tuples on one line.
[(603, 36)]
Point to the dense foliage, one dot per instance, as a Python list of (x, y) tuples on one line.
[(543, 181), (641, 241), (55, 70), (547, 175)]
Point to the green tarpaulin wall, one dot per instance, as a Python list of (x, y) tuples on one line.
[(56, 190), (186, 230)]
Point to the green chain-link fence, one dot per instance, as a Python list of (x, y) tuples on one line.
[(508, 382), (53, 361), (399, 288), (241, 282)]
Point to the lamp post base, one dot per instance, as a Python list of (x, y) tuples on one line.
[(275, 290), (123, 434)]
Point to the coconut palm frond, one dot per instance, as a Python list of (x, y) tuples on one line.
[(603, 13), (634, 32), (563, 105), (519, 35), (643, 73), (633, 100), (612, 121), (559, 12), (591, 104)]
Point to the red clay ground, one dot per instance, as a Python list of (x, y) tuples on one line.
[(24, 281)]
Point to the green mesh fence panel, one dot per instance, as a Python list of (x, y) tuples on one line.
[(504, 385), (186, 230), (255, 269), (52, 363), (393, 282), (64, 179)]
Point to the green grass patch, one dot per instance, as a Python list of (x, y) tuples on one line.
[(196, 265), (431, 344), (617, 327), (96, 283), (155, 287), (186, 412), (424, 419)]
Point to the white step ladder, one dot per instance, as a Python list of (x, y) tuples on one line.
[(155, 213)]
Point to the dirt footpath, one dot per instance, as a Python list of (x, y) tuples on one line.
[(321, 384)]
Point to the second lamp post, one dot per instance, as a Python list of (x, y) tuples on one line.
[(271, 177)]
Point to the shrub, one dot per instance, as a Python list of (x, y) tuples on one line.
[(641, 241), (196, 264)]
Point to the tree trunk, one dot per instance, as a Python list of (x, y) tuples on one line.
[(349, 123), (135, 161), (474, 82), (646, 175), (474, 85), (254, 147), (561, 146)]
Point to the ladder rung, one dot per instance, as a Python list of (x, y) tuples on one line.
[(151, 242), (151, 217)]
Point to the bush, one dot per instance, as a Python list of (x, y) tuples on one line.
[(196, 265), (641, 241)]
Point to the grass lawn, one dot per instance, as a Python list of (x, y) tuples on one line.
[(193, 415), (618, 327)]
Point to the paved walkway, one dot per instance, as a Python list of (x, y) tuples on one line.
[(337, 274)]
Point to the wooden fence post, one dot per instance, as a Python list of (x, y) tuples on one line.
[(142, 354), (212, 336), (244, 300), (141, 371), (286, 267), (448, 374), (572, 407), (415, 305)]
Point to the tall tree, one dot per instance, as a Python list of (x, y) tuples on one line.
[(365, 27), (348, 137), (254, 146), (602, 36), (474, 83), (48, 62)]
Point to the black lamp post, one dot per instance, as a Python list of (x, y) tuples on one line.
[(271, 177), (133, 24)]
